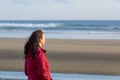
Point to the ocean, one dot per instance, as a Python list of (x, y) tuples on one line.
[(10, 75), (62, 29)]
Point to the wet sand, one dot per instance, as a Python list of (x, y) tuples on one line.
[(69, 56)]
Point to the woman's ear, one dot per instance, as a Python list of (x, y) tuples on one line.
[(40, 40)]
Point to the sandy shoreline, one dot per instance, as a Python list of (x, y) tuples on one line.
[(76, 56)]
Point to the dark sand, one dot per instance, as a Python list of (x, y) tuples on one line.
[(69, 56)]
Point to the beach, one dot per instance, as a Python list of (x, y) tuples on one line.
[(66, 55)]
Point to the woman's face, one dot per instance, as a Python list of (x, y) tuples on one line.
[(42, 40)]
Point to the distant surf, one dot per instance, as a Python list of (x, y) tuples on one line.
[(62, 29)]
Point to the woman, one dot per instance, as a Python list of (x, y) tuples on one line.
[(36, 63)]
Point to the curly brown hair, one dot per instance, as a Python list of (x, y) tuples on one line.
[(33, 43)]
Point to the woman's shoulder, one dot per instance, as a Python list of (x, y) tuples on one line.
[(38, 51), (41, 50)]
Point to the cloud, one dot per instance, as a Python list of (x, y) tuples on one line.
[(117, 0), (15, 1), (19, 2), (63, 1)]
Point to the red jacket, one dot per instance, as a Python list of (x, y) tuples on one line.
[(37, 68)]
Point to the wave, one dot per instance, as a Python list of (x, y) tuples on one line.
[(50, 25), (56, 26), (28, 25)]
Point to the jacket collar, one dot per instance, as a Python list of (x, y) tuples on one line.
[(43, 50)]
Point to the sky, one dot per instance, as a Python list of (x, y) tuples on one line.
[(59, 9)]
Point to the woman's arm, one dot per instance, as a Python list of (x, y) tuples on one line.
[(41, 65), (25, 68)]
